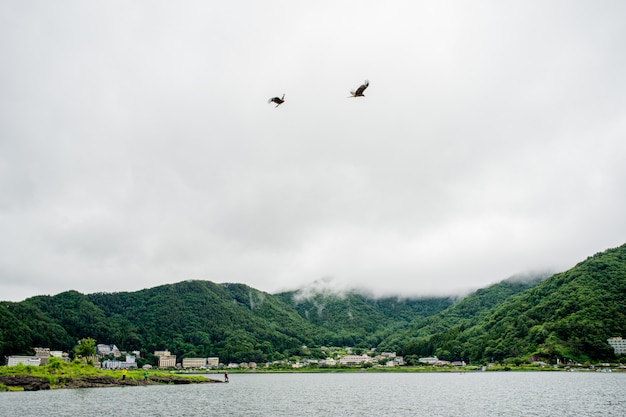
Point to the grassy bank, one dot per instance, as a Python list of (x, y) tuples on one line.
[(60, 374)]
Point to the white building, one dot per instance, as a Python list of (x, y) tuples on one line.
[(618, 344), (194, 363), (25, 360), (354, 359), (167, 361), (130, 362)]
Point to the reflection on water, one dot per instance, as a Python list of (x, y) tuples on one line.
[(508, 394)]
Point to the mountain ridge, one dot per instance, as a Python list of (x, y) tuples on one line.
[(568, 315)]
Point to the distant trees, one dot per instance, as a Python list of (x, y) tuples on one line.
[(86, 349)]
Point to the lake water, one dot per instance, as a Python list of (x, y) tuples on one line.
[(510, 394)]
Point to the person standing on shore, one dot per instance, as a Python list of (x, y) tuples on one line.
[(124, 372)]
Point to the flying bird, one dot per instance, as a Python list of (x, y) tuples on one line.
[(277, 100), (359, 91)]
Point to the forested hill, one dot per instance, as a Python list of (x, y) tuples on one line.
[(467, 312), (201, 319), (568, 316), (353, 319)]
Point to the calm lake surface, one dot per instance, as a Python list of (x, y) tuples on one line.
[(511, 394)]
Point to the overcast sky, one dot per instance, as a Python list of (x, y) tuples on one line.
[(137, 146)]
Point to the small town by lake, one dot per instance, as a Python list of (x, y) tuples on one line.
[(453, 394)]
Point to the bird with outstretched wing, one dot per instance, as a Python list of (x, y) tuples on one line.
[(277, 100), (359, 91)]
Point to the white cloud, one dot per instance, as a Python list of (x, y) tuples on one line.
[(137, 147)]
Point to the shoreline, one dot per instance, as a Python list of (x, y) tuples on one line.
[(25, 381), (36, 383), (406, 369)]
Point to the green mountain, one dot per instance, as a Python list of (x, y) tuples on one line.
[(469, 311), (354, 319), (569, 315), (201, 319)]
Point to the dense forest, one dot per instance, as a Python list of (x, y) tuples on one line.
[(201, 319), (568, 316), (565, 316)]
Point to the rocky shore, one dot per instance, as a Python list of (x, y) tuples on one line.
[(34, 383)]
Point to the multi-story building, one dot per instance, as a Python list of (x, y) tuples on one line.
[(194, 363), (618, 344), (167, 361), (43, 354), (25, 360)]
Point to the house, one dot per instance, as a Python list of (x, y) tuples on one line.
[(130, 362), (103, 350), (328, 362), (213, 362), (431, 360), (60, 354), (618, 344)]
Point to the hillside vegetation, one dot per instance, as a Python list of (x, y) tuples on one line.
[(202, 319), (566, 316)]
